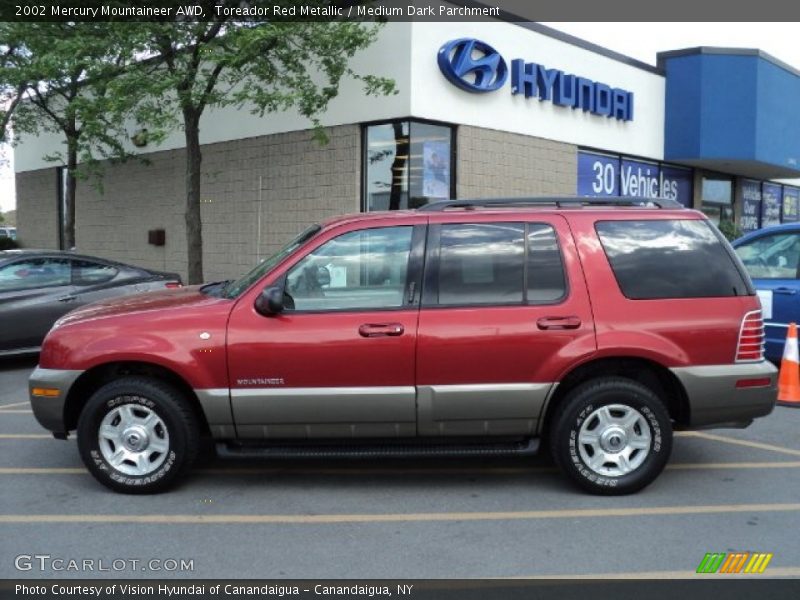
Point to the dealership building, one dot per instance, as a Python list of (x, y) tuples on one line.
[(482, 109)]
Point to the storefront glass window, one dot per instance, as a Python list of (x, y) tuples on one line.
[(717, 197), (407, 165)]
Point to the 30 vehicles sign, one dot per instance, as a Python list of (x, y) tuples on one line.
[(604, 175)]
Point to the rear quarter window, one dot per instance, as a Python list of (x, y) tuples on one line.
[(670, 259)]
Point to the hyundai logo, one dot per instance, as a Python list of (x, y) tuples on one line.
[(472, 65)]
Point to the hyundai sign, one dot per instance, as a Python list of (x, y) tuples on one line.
[(474, 66)]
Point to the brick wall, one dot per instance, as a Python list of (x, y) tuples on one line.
[(302, 182), (497, 163)]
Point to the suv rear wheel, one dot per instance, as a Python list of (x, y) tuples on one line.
[(611, 436), (137, 435)]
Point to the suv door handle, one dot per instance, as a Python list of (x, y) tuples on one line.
[(558, 323), (785, 290), (380, 329), (67, 298)]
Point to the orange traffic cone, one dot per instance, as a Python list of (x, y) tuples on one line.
[(789, 377)]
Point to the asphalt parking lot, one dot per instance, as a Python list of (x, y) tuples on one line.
[(723, 491)]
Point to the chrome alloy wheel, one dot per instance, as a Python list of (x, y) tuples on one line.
[(133, 439), (614, 440)]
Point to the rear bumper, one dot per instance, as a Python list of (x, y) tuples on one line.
[(714, 399), (49, 409)]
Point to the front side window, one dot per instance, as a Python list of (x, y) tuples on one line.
[(357, 270), (772, 256), (670, 259), (34, 273)]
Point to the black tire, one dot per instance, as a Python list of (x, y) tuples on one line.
[(581, 404), (144, 395)]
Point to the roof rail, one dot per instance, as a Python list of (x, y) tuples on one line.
[(558, 201)]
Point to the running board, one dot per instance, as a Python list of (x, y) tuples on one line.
[(239, 450)]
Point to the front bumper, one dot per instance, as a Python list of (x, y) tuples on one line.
[(715, 399), (49, 409)]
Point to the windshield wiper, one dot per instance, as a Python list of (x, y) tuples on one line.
[(216, 288)]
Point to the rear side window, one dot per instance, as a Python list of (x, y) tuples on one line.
[(90, 273), (669, 259), (498, 264)]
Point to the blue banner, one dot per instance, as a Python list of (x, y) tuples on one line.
[(772, 198), (676, 184), (601, 175), (791, 204), (751, 205)]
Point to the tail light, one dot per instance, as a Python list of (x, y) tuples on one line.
[(173, 285), (750, 347)]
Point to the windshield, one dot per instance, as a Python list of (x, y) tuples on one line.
[(233, 289)]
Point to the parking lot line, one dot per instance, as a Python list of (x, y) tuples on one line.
[(15, 411), (749, 444), (42, 470), (4, 406), (179, 519), (787, 464), (25, 436), (289, 470)]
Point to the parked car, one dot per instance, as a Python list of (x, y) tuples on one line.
[(8, 232), (463, 328), (772, 259), (39, 286)]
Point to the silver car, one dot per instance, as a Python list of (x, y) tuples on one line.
[(39, 286)]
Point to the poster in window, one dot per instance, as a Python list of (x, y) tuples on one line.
[(751, 205), (791, 204), (436, 172), (772, 197)]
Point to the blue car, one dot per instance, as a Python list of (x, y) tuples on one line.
[(772, 258)]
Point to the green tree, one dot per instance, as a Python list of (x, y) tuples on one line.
[(269, 66), (58, 78)]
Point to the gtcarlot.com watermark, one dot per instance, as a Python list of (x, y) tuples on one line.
[(46, 563)]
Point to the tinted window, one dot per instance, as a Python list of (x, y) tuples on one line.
[(357, 270), (90, 273), (545, 271), (772, 256), (34, 273), (669, 259), (481, 263)]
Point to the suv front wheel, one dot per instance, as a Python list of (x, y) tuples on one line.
[(611, 436), (137, 435)]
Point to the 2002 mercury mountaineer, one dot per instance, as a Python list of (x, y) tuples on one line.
[(464, 327)]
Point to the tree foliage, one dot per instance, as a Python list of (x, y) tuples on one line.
[(58, 78), (89, 81), (267, 66)]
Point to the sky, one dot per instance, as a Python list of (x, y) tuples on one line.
[(644, 40), (637, 40)]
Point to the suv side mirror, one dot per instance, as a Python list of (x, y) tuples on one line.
[(270, 301)]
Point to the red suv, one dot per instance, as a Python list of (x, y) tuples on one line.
[(466, 327)]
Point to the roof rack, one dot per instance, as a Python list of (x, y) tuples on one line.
[(558, 201)]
